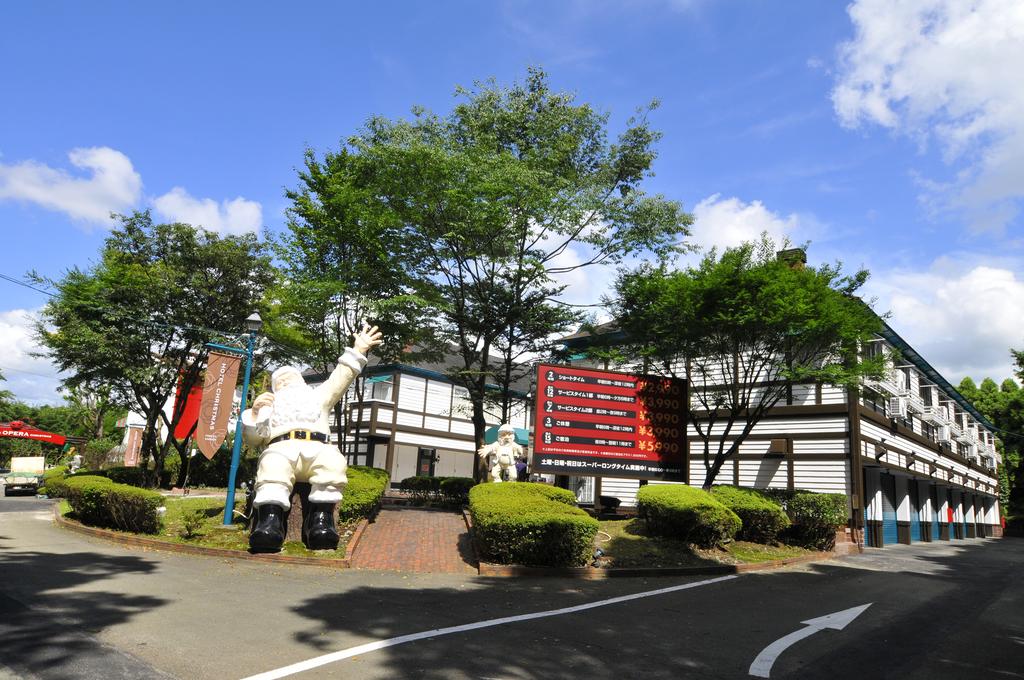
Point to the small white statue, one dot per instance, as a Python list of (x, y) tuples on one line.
[(500, 457), (293, 424)]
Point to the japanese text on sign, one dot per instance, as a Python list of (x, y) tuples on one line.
[(580, 429)]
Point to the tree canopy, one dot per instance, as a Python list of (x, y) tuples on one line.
[(497, 199), (137, 321), (1003, 406), (742, 327)]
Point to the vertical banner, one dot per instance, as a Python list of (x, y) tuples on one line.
[(133, 447), (215, 408), (607, 424)]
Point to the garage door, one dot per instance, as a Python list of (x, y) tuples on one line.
[(890, 536), (915, 511)]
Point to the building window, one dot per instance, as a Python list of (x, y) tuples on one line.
[(383, 390), (874, 401), (928, 430)]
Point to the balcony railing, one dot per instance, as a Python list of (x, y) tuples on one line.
[(915, 404)]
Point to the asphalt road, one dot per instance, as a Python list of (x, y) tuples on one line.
[(76, 607)]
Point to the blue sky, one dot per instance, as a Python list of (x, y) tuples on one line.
[(890, 134)]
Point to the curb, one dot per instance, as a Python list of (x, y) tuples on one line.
[(596, 573), (152, 544)]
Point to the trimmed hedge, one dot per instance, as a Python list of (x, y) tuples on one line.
[(53, 482), (365, 488), (762, 519), (447, 490), (816, 518), (687, 513), (97, 501), (531, 524), (132, 476), (455, 490)]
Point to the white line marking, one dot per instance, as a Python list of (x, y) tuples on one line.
[(762, 665), (438, 632)]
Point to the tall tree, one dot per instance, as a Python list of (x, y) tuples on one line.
[(742, 328), (512, 189), (137, 321), (343, 262), (1003, 405)]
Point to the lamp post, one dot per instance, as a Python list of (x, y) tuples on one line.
[(253, 324)]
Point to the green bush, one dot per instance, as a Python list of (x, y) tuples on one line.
[(444, 490), (53, 482), (172, 466), (531, 524), (762, 519), (365, 488), (816, 517), (98, 501), (422, 487), (132, 476), (455, 490), (192, 522), (687, 513)]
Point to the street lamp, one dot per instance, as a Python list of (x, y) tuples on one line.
[(253, 324)]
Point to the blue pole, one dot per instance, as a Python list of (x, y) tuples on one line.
[(236, 453)]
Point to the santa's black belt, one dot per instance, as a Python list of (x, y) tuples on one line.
[(305, 435)]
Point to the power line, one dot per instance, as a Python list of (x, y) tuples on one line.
[(20, 370), (5, 277)]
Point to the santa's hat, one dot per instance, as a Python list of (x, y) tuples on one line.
[(283, 371)]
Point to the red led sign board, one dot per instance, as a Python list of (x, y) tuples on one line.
[(607, 424)]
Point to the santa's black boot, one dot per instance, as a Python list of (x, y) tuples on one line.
[(268, 534), (319, 532)]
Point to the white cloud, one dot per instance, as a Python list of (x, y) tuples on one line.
[(113, 185), (31, 379), (236, 216), (947, 70), (961, 315), (728, 222)]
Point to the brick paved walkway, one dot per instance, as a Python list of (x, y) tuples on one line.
[(415, 539)]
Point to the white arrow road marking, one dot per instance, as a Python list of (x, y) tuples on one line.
[(438, 632), (762, 666)]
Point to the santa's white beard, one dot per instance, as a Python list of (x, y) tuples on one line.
[(295, 406)]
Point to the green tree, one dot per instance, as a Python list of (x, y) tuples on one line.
[(137, 321), (1003, 406), (343, 263), (741, 328), (514, 187)]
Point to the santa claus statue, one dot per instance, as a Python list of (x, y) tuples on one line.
[(500, 457), (292, 423)]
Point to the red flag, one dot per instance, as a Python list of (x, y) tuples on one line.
[(189, 410)]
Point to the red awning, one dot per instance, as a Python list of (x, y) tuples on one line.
[(19, 430)]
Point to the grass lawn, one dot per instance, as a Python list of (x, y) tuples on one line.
[(211, 532), (625, 543)]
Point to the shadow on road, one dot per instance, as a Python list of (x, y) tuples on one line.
[(45, 631), (931, 616)]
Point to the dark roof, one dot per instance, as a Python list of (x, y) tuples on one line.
[(580, 339), (432, 370), (911, 355)]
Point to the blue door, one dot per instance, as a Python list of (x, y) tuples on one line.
[(915, 511), (889, 533), (936, 531)]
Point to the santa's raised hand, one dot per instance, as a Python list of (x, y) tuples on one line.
[(367, 339)]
